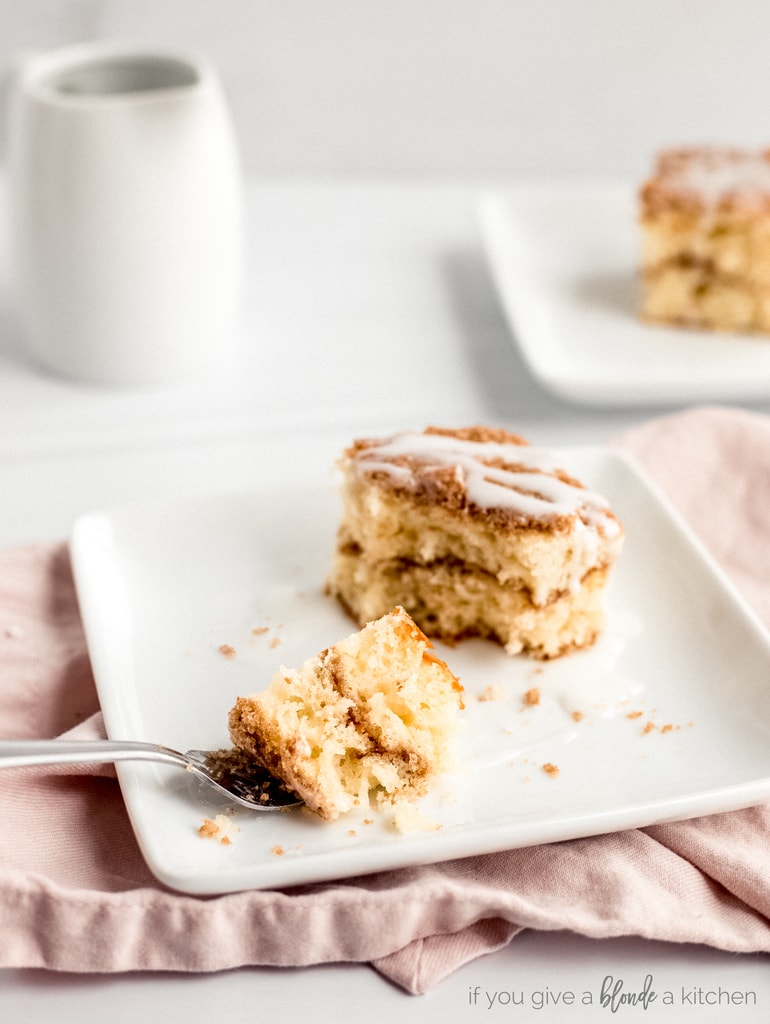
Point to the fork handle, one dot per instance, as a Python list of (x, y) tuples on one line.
[(21, 753)]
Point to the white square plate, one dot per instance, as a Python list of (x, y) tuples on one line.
[(564, 259), (163, 586)]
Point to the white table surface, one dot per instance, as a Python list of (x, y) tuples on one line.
[(368, 308)]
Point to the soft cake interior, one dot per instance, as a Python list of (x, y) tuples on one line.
[(376, 712)]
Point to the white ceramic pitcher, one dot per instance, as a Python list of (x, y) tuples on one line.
[(125, 211)]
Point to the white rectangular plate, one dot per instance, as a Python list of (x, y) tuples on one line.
[(162, 587), (564, 258)]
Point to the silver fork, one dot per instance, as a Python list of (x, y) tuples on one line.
[(229, 772)]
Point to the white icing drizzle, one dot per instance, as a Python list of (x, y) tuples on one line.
[(490, 487)]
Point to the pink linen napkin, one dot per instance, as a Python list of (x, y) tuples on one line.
[(76, 895)]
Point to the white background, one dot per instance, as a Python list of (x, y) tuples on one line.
[(368, 129), (555, 87)]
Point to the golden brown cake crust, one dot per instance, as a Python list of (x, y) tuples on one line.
[(479, 433), (692, 179), (422, 477)]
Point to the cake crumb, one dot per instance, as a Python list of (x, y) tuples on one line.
[(668, 727), (259, 630), (649, 727), (368, 821), (220, 828), (491, 693), (277, 850), (532, 696), (275, 642), (352, 832), (551, 769), (634, 714), (227, 650), (577, 716)]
